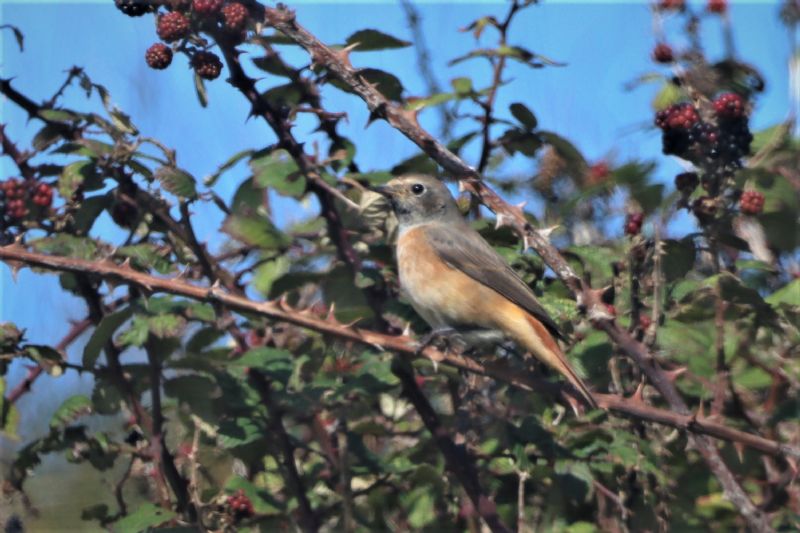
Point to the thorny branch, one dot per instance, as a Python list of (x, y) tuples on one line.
[(338, 62), (16, 256)]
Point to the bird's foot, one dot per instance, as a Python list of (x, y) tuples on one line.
[(442, 338)]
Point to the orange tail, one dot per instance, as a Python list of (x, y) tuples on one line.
[(544, 347)]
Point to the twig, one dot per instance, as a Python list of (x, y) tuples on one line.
[(309, 521), (20, 159), (279, 310), (458, 460)]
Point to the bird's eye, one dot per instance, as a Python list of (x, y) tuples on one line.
[(418, 188)]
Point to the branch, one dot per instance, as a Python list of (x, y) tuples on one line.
[(309, 521), (20, 158), (457, 458), (16, 256), (338, 62)]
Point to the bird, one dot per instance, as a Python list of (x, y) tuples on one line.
[(459, 284)]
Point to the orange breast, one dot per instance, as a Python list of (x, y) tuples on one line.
[(442, 295)]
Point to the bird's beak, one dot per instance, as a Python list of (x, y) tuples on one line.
[(383, 190)]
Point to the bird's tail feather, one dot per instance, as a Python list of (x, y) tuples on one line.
[(545, 348)]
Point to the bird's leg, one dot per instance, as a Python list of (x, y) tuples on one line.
[(434, 335)]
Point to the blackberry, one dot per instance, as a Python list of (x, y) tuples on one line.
[(729, 106), (662, 53), (717, 6), (158, 56), (43, 195), (206, 8), (598, 173), (704, 208), (235, 17), (671, 5), (135, 8), (633, 223), (172, 27), (751, 202), (207, 65), (239, 505), (686, 182)]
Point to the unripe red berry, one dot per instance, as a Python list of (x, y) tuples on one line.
[(206, 7), (633, 223), (671, 5), (611, 309), (644, 321), (235, 16), (207, 65), (172, 26), (158, 56), (751, 202), (717, 6), (598, 173), (662, 53), (729, 106)]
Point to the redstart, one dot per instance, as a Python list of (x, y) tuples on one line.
[(458, 283)]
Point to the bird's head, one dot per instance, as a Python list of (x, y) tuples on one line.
[(417, 198)]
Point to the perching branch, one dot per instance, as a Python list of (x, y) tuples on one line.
[(16, 256)]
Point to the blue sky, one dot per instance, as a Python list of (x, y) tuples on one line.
[(604, 46)]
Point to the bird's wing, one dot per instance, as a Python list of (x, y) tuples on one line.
[(464, 249)]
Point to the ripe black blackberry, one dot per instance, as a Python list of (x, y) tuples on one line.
[(207, 65), (235, 16), (135, 8), (686, 182), (158, 56), (704, 208), (172, 27)]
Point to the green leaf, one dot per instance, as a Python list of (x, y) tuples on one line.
[(145, 517), (70, 409), (86, 215), (146, 256), (462, 86), (239, 432), (788, 294), (137, 332), (46, 136), (277, 170), (59, 115), (102, 334), (200, 90), (668, 95), (123, 122), (276, 363), (74, 175), (177, 181), (66, 245), (678, 259), (227, 165), (266, 274), (415, 104), (256, 231), (369, 40), (524, 115), (387, 84), (166, 325), (421, 505)]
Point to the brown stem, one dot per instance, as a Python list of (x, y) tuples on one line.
[(309, 521), (16, 255), (458, 460)]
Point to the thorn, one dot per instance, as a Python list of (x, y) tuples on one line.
[(526, 243), (283, 302), (331, 313), (672, 375), (500, 221), (353, 323), (126, 264), (700, 411), (792, 462), (521, 205), (638, 394), (461, 186), (407, 330), (739, 447), (435, 364), (545, 232)]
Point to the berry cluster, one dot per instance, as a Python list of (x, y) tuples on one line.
[(751, 202), (178, 23), (15, 195), (687, 136), (633, 223), (662, 53), (240, 506)]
